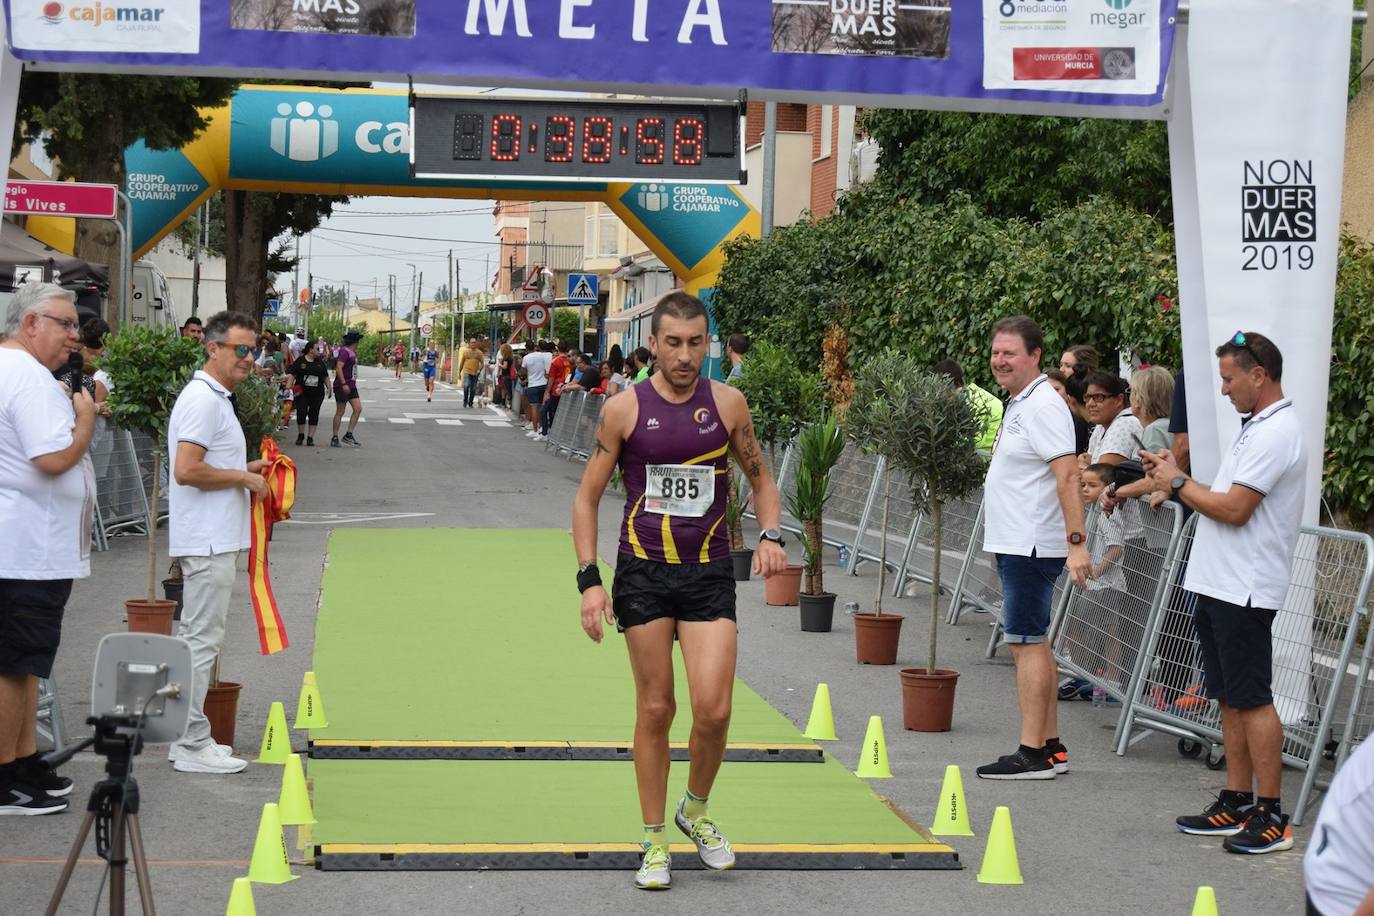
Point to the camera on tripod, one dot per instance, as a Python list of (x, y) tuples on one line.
[(141, 691)]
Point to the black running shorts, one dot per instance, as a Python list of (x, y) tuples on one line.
[(1237, 652), (646, 590), (344, 394), (31, 624)]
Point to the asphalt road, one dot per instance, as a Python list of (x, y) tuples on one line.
[(1097, 841)]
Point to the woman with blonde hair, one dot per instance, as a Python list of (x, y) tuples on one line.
[(1152, 398)]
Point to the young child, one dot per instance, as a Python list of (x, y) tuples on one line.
[(1108, 600)]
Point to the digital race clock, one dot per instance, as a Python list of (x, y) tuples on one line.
[(555, 139)]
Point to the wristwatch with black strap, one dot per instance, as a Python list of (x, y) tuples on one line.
[(772, 534), (1177, 484)]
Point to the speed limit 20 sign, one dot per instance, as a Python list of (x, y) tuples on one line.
[(536, 314)]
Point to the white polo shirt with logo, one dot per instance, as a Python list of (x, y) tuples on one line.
[(1021, 511), (1250, 563), (207, 522)]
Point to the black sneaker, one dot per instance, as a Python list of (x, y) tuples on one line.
[(24, 799), (300, 438), (334, 442), (349, 440), (1263, 831), (38, 774), (310, 442), (1059, 757), (1019, 765), (1217, 819)]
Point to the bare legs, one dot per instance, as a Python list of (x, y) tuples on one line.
[(1036, 691)]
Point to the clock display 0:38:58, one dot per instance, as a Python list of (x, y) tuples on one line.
[(592, 140)]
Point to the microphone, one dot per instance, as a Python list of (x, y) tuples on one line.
[(76, 364)]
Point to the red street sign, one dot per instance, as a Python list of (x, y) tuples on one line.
[(61, 198)]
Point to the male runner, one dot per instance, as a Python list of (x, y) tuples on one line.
[(673, 575), (346, 390), (431, 361)]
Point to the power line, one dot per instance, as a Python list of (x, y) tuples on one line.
[(413, 238)]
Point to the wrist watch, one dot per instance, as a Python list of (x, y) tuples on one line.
[(1177, 484), (1075, 539), (772, 534)]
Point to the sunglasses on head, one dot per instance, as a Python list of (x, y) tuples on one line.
[(1239, 341)]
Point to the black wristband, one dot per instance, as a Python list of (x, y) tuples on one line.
[(588, 577)]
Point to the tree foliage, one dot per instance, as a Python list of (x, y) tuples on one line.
[(782, 397)]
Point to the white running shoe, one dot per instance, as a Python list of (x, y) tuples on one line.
[(532, 434), (655, 872), (175, 753), (208, 760), (712, 846)]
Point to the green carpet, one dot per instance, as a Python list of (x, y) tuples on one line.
[(475, 635), (585, 802)]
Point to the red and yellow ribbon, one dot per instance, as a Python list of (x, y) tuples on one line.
[(280, 472)]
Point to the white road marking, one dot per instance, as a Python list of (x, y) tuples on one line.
[(444, 421), (402, 420), (500, 423)]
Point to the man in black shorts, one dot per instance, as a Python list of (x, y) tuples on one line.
[(1247, 531), (673, 575)]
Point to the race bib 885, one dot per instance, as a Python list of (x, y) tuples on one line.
[(686, 490)]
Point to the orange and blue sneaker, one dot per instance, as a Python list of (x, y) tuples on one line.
[(1263, 831), (1220, 818)]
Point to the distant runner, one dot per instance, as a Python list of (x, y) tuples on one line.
[(346, 390), (673, 575), (431, 365)]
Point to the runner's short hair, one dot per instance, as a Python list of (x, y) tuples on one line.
[(679, 305), (1257, 350), (217, 328), (1025, 327), (950, 370)]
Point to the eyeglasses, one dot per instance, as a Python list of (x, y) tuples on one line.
[(240, 350), (1098, 398), (67, 323)]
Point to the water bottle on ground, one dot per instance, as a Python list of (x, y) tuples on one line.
[(1099, 695), (851, 608), (844, 557)]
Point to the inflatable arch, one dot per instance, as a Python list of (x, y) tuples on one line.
[(308, 140)]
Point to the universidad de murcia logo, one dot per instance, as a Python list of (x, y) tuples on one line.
[(300, 136)]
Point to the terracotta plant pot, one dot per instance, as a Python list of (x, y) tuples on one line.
[(222, 709), (172, 590), (744, 563), (817, 611), (150, 616), (781, 589), (928, 699), (875, 638)]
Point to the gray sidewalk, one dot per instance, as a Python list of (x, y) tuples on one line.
[(1099, 840)]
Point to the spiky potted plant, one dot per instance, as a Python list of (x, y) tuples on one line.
[(736, 501), (937, 452), (149, 366), (818, 450)]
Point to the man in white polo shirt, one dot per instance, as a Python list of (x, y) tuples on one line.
[(212, 483), (47, 497), (1247, 529), (1033, 523)]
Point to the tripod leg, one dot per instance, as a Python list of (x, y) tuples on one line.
[(145, 883), (70, 865)]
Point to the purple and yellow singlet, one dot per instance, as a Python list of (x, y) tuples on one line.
[(673, 465)]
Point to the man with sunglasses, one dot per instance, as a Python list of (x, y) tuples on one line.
[(1247, 530), (210, 499), (47, 497)]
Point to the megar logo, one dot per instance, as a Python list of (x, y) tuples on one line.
[(301, 137), (98, 14), (1118, 18), (1118, 4)]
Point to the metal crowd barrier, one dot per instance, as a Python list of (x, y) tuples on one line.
[(958, 521), (853, 488), (50, 714), (903, 517), (144, 447), (1315, 634), (565, 422), (1359, 719), (121, 498), (1099, 630), (584, 432)]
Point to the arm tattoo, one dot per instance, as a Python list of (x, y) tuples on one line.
[(600, 447), (755, 469)]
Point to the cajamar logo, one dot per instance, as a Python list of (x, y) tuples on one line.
[(98, 13)]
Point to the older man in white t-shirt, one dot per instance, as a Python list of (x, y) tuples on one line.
[(210, 500), (47, 497), (1033, 523), (1247, 530)]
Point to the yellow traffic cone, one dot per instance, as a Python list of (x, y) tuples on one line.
[(821, 725), (270, 864), (310, 708), (951, 813), (1206, 902), (294, 802), (1000, 865), (241, 899), (873, 756), (276, 740)]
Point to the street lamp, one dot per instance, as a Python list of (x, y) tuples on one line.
[(414, 310)]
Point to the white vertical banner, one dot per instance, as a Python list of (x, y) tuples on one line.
[(10, 71), (1264, 97)]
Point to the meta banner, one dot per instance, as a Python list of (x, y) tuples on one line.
[(1043, 55)]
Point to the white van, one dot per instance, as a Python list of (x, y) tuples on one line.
[(151, 300)]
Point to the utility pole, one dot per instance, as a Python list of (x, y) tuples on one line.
[(202, 235), (391, 305), (296, 285), (770, 165), (462, 306), (415, 316)]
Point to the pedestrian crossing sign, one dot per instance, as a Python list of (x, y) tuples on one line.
[(583, 289)]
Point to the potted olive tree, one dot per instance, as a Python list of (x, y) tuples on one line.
[(937, 452), (149, 366), (782, 399), (818, 449)]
